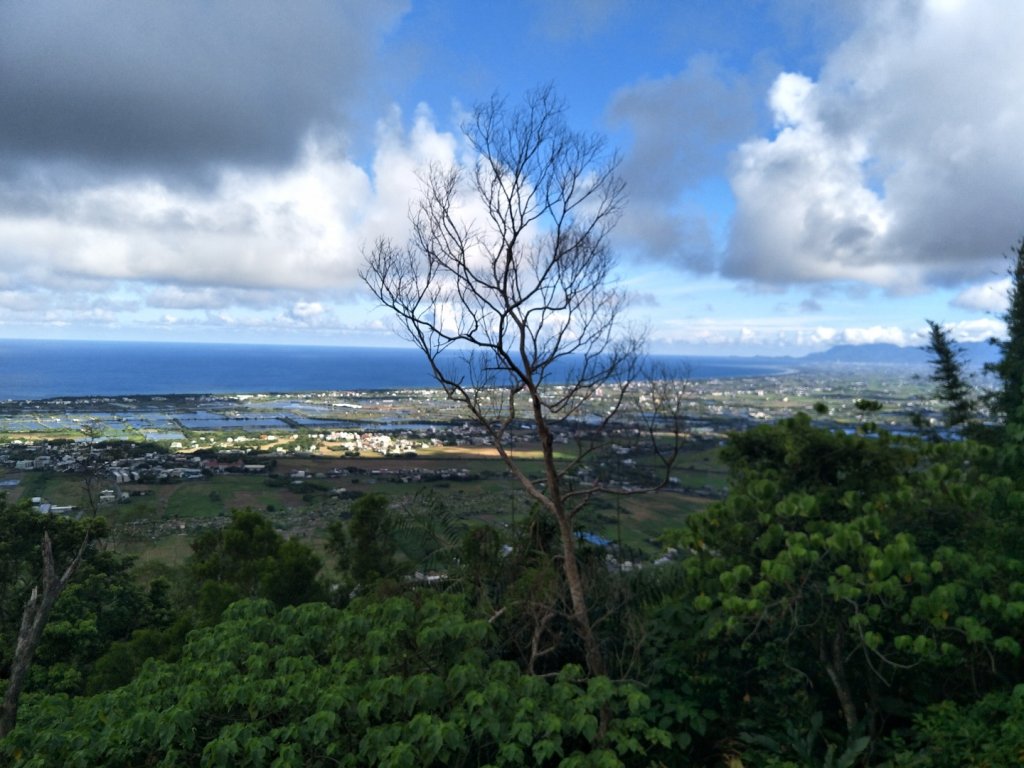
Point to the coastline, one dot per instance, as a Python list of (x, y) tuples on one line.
[(33, 371)]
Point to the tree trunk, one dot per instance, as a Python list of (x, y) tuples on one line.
[(578, 595), (835, 666), (33, 622)]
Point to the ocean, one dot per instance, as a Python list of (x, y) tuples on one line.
[(37, 370)]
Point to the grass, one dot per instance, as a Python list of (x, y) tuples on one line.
[(153, 526), (172, 550), (54, 487), (195, 499)]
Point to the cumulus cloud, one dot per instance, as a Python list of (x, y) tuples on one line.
[(987, 297), (765, 335), (876, 334), (899, 166), (194, 164), (682, 125), (980, 329), (788, 336), (176, 297), (179, 87), (259, 238), (307, 310), (253, 233), (824, 335)]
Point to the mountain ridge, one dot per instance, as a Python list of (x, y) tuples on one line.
[(975, 354)]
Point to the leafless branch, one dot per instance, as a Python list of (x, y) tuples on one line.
[(33, 621), (517, 314)]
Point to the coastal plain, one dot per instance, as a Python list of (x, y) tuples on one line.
[(161, 468)]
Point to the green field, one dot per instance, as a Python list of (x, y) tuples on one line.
[(156, 521)]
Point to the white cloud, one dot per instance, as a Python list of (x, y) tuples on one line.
[(305, 310), (824, 335), (773, 336), (899, 166), (748, 335), (981, 329), (803, 211), (987, 297), (876, 334), (258, 237), (178, 297)]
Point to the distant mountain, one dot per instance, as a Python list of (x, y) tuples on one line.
[(869, 353), (976, 354)]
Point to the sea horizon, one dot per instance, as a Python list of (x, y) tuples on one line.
[(43, 369)]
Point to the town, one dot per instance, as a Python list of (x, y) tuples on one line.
[(142, 462)]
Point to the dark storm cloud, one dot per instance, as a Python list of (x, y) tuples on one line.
[(183, 86), (683, 129), (683, 126), (666, 235)]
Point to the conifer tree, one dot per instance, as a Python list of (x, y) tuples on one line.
[(951, 382), (1009, 398)]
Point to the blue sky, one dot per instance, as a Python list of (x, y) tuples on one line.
[(800, 173)]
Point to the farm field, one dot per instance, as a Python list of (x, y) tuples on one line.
[(303, 494), (328, 449)]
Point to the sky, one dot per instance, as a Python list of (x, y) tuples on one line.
[(799, 173)]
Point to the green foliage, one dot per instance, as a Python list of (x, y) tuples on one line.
[(248, 558), (799, 747), (1009, 399), (948, 375), (428, 533), (365, 547), (854, 577), (123, 660), (512, 574), (868, 406), (102, 606), (798, 457), (853, 601), (391, 682), (21, 534), (693, 684), (988, 732)]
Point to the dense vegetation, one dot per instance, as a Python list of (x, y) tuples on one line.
[(875, 585)]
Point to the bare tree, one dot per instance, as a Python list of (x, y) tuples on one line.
[(44, 595), (33, 622), (517, 312)]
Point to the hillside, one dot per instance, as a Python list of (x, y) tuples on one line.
[(976, 354)]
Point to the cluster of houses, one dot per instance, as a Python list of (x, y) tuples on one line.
[(142, 465), (116, 463), (420, 475)]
